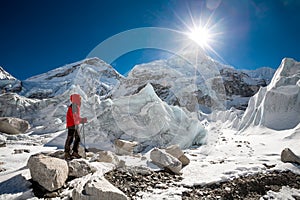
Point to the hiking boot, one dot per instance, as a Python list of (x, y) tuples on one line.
[(76, 155), (67, 156)]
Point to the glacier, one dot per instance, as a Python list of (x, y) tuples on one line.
[(158, 104)]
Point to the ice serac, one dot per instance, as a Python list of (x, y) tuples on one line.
[(145, 118), (276, 106), (149, 120), (92, 74)]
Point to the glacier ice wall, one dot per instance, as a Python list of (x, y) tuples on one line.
[(276, 106)]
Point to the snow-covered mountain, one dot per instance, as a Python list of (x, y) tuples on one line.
[(93, 75), (8, 83), (265, 73), (4, 75), (196, 81), (143, 107), (241, 85), (191, 80)]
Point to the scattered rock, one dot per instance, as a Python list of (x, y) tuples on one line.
[(124, 147), (132, 180), (11, 125), (106, 156), (165, 160), (49, 172), (80, 167), (2, 144), (121, 164), (248, 187), (2, 169), (288, 156), (57, 154), (19, 151), (184, 160), (175, 151), (97, 188)]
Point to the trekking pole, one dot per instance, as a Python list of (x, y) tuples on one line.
[(84, 141)]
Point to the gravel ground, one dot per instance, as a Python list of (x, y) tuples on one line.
[(131, 181)]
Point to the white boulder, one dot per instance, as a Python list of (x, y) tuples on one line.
[(175, 151), (165, 160), (11, 125), (95, 188), (288, 156), (80, 167), (124, 147), (106, 156), (49, 172)]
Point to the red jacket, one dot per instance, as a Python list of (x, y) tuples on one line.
[(73, 115)]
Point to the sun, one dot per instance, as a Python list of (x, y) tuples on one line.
[(201, 36)]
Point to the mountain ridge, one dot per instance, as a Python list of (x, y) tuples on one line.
[(177, 81)]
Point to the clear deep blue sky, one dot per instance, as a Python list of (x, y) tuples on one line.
[(37, 36)]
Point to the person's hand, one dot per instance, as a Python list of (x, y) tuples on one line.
[(84, 120)]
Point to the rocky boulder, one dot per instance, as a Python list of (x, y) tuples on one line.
[(11, 125), (288, 156), (165, 160), (175, 151), (124, 147), (106, 156), (97, 188), (51, 173), (80, 167)]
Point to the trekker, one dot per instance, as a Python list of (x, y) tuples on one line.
[(73, 121)]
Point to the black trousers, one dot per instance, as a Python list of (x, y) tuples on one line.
[(72, 133)]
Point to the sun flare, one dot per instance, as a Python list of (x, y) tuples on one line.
[(201, 36)]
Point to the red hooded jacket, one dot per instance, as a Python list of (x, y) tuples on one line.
[(73, 113)]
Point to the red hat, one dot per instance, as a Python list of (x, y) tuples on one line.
[(75, 98)]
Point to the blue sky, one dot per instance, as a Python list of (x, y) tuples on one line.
[(37, 36)]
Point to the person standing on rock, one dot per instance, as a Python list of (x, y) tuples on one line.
[(73, 121)]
